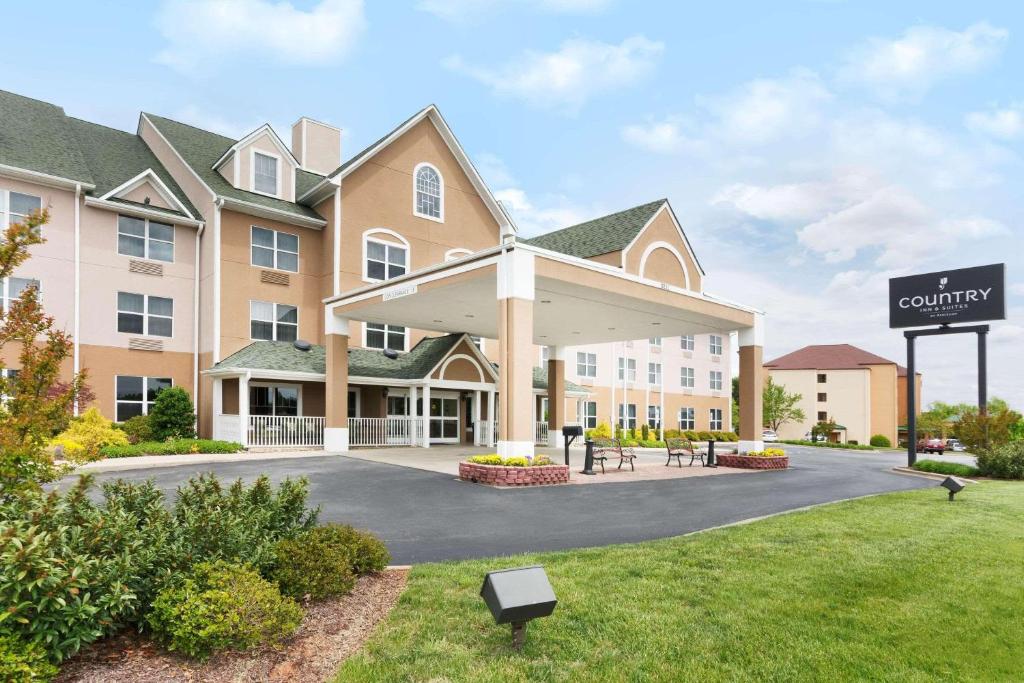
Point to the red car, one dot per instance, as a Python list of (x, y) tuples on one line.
[(931, 446)]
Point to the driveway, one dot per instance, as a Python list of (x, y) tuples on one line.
[(428, 516)]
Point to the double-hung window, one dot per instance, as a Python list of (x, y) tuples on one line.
[(275, 249), (687, 419), (385, 336), (715, 345), (135, 395), (654, 374), (16, 206), (144, 238), (715, 382), (654, 417), (686, 342), (12, 288), (385, 260), (627, 369), (627, 415), (429, 198), (273, 322), (144, 314), (586, 364), (686, 378), (264, 173), (715, 419), (589, 416), (655, 341)]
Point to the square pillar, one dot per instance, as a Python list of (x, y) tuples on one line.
[(336, 399), (556, 396), (492, 422), (477, 395), (426, 416), (515, 353), (413, 415), (751, 342), (243, 410)]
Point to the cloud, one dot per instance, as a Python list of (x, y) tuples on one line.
[(468, 10), (1005, 124), (661, 137), (199, 33), (493, 170), (796, 202), (565, 79), (1017, 288), (555, 212), (924, 55)]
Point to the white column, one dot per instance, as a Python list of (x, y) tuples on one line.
[(426, 416), (243, 409), (476, 417), (217, 407), (491, 418), (413, 414)]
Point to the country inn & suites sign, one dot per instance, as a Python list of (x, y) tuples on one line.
[(951, 296)]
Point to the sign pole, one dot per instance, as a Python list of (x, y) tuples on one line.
[(911, 402), (983, 378)]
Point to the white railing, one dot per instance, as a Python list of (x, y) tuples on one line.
[(285, 431), (486, 433), (540, 433), (385, 431)]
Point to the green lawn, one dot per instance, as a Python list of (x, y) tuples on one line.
[(901, 587)]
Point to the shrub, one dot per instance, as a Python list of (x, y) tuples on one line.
[(22, 661), (86, 435), (645, 432), (493, 459), (137, 429), (880, 441), (673, 434), (827, 444), (705, 436), (1003, 462), (369, 554), (602, 431), (173, 447), (514, 461), (767, 453), (172, 415), (325, 561), (222, 606), (942, 467), (691, 435)]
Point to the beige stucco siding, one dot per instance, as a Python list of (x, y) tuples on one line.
[(884, 402), (661, 264), (104, 363)]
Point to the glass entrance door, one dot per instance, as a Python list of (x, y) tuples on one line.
[(444, 419)]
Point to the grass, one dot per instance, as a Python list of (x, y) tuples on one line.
[(173, 447), (829, 444), (900, 587), (939, 467)]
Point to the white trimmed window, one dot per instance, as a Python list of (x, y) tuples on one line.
[(655, 341), (265, 173), (429, 193), (135, 395), (715, 345), (143, 238), (589, 416), (715, 419), (384, 337), (715, 380), (273, 322), (16, 206), (627, 415), (654, 417), (686, 342), (478, 341), (12, 288), (385, 260), (686, 378), (144, 314), (274, 399), (586, 364), (275, 249), (654, 374), (627, 369), (686, 419)]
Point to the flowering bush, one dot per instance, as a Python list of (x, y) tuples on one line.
[(86, 435), (767, 453), (514, 461)]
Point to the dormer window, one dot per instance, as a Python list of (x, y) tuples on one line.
[(265, 174), (428, 201)]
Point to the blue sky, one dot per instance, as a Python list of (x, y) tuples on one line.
[(810, 149)]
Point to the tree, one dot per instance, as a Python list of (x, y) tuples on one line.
[(736, 404), (172, 415), (37, 403), (780, 407), (993, 429)]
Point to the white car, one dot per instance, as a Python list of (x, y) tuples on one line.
[(955, 445), (769, 435), (820, 439)]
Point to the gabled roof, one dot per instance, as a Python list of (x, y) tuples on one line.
[(201, 149), (540, 381), (245, 140), (35, 136), (827, 357), (613, 232)]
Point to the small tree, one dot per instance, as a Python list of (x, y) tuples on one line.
[(38, 403), (778, 406), (981, 432), (172, 415)]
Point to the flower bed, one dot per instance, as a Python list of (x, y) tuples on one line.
[(495, 471), (769, 459)]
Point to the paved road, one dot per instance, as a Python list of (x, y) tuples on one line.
[(426, 516)]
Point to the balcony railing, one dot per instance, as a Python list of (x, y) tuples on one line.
[(486, 433), (281, 431), (540, 433), (385, 431)]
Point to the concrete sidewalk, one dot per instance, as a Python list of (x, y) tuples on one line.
[(141, 462)]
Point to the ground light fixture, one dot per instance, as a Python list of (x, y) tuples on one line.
[(515, 596), (953, 485)]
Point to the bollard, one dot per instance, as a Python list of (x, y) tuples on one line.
[(588, 463), (711, 454)]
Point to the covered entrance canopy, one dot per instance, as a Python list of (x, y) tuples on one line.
[(523, 295)]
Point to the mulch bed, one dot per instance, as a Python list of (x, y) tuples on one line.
[(331, 631)]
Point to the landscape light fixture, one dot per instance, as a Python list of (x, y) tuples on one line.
[(953, 485), (515, 596)]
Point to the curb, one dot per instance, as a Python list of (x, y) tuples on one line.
[(935, 476)]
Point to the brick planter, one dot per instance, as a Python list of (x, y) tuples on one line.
[(499, 475), (747, 462)]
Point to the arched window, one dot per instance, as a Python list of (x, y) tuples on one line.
[(428, 193)]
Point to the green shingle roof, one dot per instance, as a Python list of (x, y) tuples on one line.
[(201, 149), (601, 235), (540, 381), (35, 135), (114, 157)]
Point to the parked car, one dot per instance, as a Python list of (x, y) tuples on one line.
[(769, 435), (931, 446), (955, 445), (820, 439)]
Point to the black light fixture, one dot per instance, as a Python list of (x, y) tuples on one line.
[(953, 485), (515, 596), (390, 353)]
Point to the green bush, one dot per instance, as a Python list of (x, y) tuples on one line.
[(705, 436), (137, 429), (513, 461), (827, 444), (219, 606), (645, 432), (691, 435), (880, 441), (369, 554), (173, 447), (86, 435), (325, 561), (22, 661), (172, 415), (942, 467), (673, 434), (1003, 462)]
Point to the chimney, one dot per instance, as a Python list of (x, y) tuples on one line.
[(316, 145)]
